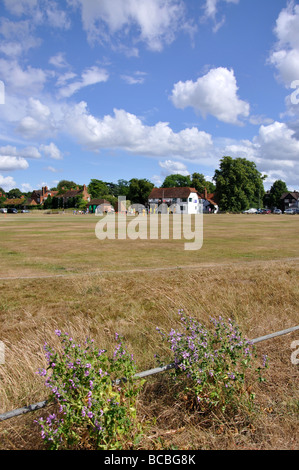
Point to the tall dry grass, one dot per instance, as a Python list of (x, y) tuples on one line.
[(262, 297)]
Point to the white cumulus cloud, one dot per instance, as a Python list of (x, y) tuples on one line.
[(285, 55), (215, 93), (170, 167), (126, 131)]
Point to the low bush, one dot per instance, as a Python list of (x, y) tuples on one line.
[(95, 410)]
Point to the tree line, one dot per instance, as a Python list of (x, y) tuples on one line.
[(236, 186)]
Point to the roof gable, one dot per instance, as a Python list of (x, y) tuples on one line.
[(293, 194)]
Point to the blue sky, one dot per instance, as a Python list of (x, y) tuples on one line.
[(117, 89)]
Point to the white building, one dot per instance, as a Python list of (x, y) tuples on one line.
[(175, 200)]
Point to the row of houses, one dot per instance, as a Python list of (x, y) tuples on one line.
[(184, 200), (39, 196)]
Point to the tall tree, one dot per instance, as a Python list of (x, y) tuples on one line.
[(14, 193), (97, 188), (139, 190), (239, 185), (199, 182), (272, 198), (177, 180), (66, 184)]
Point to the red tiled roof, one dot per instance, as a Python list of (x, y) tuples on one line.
[(98, 202), (164, 193), (71, 193)]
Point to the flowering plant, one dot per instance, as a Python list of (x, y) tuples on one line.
[(95, 409), (213, 361)]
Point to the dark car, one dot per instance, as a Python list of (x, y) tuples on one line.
[(12, 211)]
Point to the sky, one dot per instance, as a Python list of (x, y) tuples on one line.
[(121, 89)]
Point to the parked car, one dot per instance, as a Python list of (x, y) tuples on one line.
[(3, 210), (277, 211), (12, 211), (250, 211), (297, 211), (290, 211), (266, 211), (24, 211)]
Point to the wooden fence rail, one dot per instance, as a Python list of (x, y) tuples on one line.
[(42, 404)]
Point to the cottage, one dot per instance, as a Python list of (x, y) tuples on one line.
[(209, 203), (290, 200), (96, 206), (39, 196), (72, 193), (183, 200)]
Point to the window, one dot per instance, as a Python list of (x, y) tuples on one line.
[(190, 199)]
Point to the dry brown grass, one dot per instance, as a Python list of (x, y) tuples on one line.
[(262, 296)]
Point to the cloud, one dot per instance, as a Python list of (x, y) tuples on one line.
[(90, 76), (59, 60), (38, 121), (278, 142), (56, 17), (7, 182), (27, 81), (51, 151), (17, 36), (20, 7), (211, 10), (275, 150), (285, 55), (136, 78), (172, 168), (26, 188), (9, 163), (214, 93), (157, 21), (26, 152), (126, 131), (52, 169)]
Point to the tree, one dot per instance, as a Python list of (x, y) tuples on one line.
[(123, 187), (272, 198), (239, 185), (175, 181), (97, 188), (139, 190), (14, 193), (200, 183), (48, 203), (66, 184)]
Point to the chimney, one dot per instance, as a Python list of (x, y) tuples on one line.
[(206, 194)]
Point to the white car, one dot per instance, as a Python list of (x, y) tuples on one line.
[(250, 211), (3, 211), (290, 211)]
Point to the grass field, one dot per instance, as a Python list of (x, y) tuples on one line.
[(55, 273)]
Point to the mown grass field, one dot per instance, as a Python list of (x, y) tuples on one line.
[(55, 273)]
